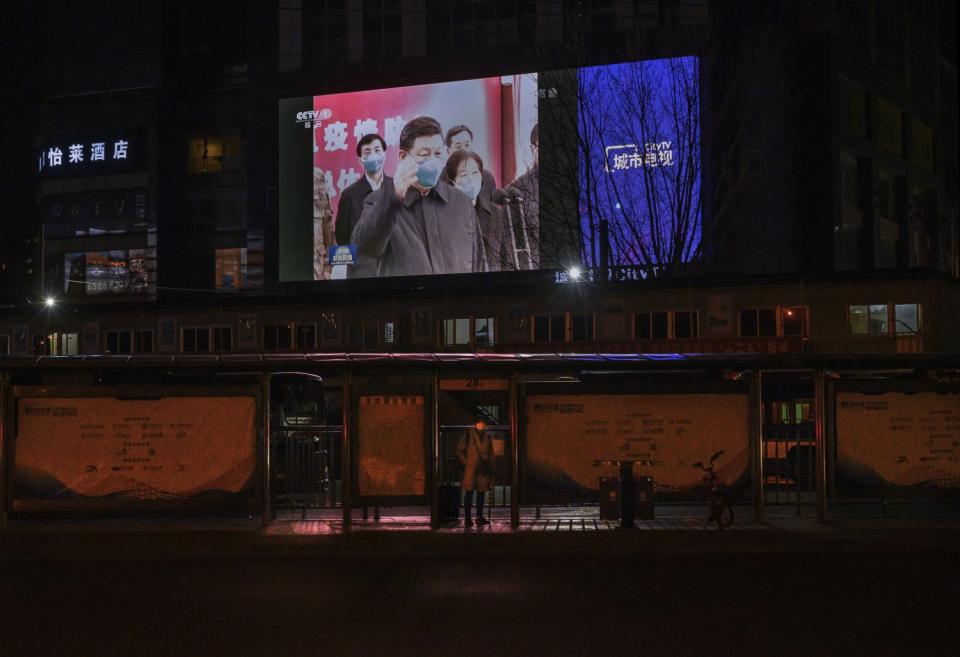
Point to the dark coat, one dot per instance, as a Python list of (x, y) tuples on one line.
[(438, 234), (349, 209)]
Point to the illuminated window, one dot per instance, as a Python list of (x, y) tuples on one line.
[(231, 269), (906, 318), (390, 335), (483, 333), (875, 319), (456, 332), (215, 154)]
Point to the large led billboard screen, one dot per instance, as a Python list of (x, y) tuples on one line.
[(506, 173)]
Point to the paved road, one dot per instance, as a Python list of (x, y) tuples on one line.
[(766, 593)]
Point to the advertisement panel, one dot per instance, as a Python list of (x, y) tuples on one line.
[(567, 434), (123, 452), (452, 177), (107, 272), (391, 455), (898, 445)]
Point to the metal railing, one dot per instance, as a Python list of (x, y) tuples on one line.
[(305, 468), (790, 475)]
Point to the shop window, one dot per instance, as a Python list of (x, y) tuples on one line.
[(581, 327), (118, 342), (143, 341), (195, 339), (306, 336), (222, 338), (277, 337), (758, 322), (230, 272)]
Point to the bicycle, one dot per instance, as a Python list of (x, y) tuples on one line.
[(720, 510)]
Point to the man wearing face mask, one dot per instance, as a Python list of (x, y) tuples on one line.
[(416, 223), (372, 153)]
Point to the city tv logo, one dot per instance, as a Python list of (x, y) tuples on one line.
[(310, 117)]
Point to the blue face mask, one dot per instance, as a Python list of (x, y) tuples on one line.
[(374, 162), (470, 187), (428, 172)]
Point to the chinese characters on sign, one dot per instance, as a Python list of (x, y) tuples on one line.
[(334, 137), (629, 156), (77, 153)]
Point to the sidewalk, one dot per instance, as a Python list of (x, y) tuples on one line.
[(407, 533)]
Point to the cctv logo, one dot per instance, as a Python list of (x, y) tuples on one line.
[(309, 117)]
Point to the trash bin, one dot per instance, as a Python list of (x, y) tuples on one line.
[(449, 494), (609, 498), (644, 505)]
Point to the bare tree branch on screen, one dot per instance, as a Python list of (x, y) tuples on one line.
[(655, 148)]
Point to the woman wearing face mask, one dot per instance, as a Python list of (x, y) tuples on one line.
[(465, 170)]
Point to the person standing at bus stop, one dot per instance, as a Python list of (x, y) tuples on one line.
[(475, 453)]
